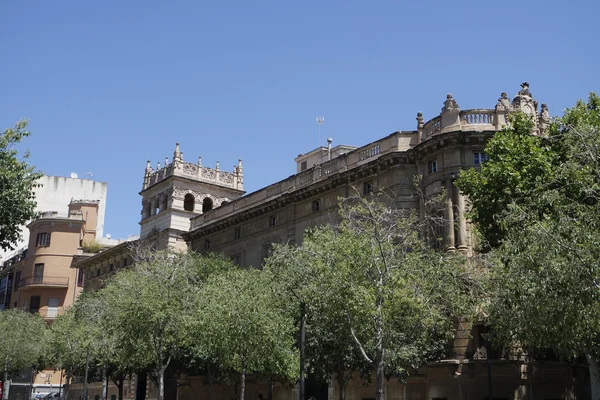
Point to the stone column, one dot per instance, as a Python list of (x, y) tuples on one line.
[(462, 224), (450, 217)]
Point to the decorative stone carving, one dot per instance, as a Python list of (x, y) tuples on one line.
[(503, 103), (544, 119), (226, 177), (208, 173), (450, 104), (525, 90), (420, 120), (190, 169), (524, 102)]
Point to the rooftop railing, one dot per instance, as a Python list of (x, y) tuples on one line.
[(465, 120)]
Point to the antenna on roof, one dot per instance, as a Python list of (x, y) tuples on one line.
[(320, 121)]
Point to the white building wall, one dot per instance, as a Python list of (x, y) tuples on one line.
[(55, 194)]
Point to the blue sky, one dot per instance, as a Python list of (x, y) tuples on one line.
[(107, 85)]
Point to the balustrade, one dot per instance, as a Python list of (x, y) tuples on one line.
[(475, 117), (370, 151), (433, 126)]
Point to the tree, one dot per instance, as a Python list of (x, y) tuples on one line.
[(545, 194), (69, 343), (244, 327), (374, 282), (16, 353), (17, 181), (150, 306)]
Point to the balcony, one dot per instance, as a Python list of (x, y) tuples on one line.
[(44, 281), (49, 313)]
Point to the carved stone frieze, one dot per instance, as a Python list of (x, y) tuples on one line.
[(190, 169), (226, 177), (209, 173)]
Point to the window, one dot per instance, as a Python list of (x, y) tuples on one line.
[(207, 244), (237, 233), (98, 272), (124, 262), (303, 166), (316, 205), (367, 188), (272, 220), (479, 158), (267, 251), (432, 166), (111, 267), (207, 204), (52, 307), (34, 304), (80, 276), (236, 259), (42, 239), (188, 202), (38, 273), (17, 279)]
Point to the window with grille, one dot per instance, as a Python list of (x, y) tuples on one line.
[(42, 239)]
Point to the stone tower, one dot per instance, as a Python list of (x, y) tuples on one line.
[(178, 191)]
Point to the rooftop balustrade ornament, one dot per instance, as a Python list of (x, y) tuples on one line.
[(450, 104)]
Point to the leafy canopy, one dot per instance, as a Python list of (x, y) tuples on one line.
[(17, 181), (537, 202)]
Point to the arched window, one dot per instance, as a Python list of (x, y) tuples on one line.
[(188, 202), (207, 204)]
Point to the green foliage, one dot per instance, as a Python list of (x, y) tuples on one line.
[(151, 306), (541, 196), (15, 352), (241, 324), (519, 166), (377, 295), (17, 181), (92, 247)]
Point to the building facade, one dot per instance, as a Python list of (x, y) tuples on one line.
[(189, 205), (53, 193), (41, 279)]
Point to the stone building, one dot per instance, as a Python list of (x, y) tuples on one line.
[(437, 150), (207, 209)]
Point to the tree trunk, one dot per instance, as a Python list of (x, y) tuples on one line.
[(210, 380), (342, 382), (379, 360), (380, 380), (243, 384), (120, 385), (6, 383), (594, 376), (67, 382), (270, 391), (161, 384), (104, 383)]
